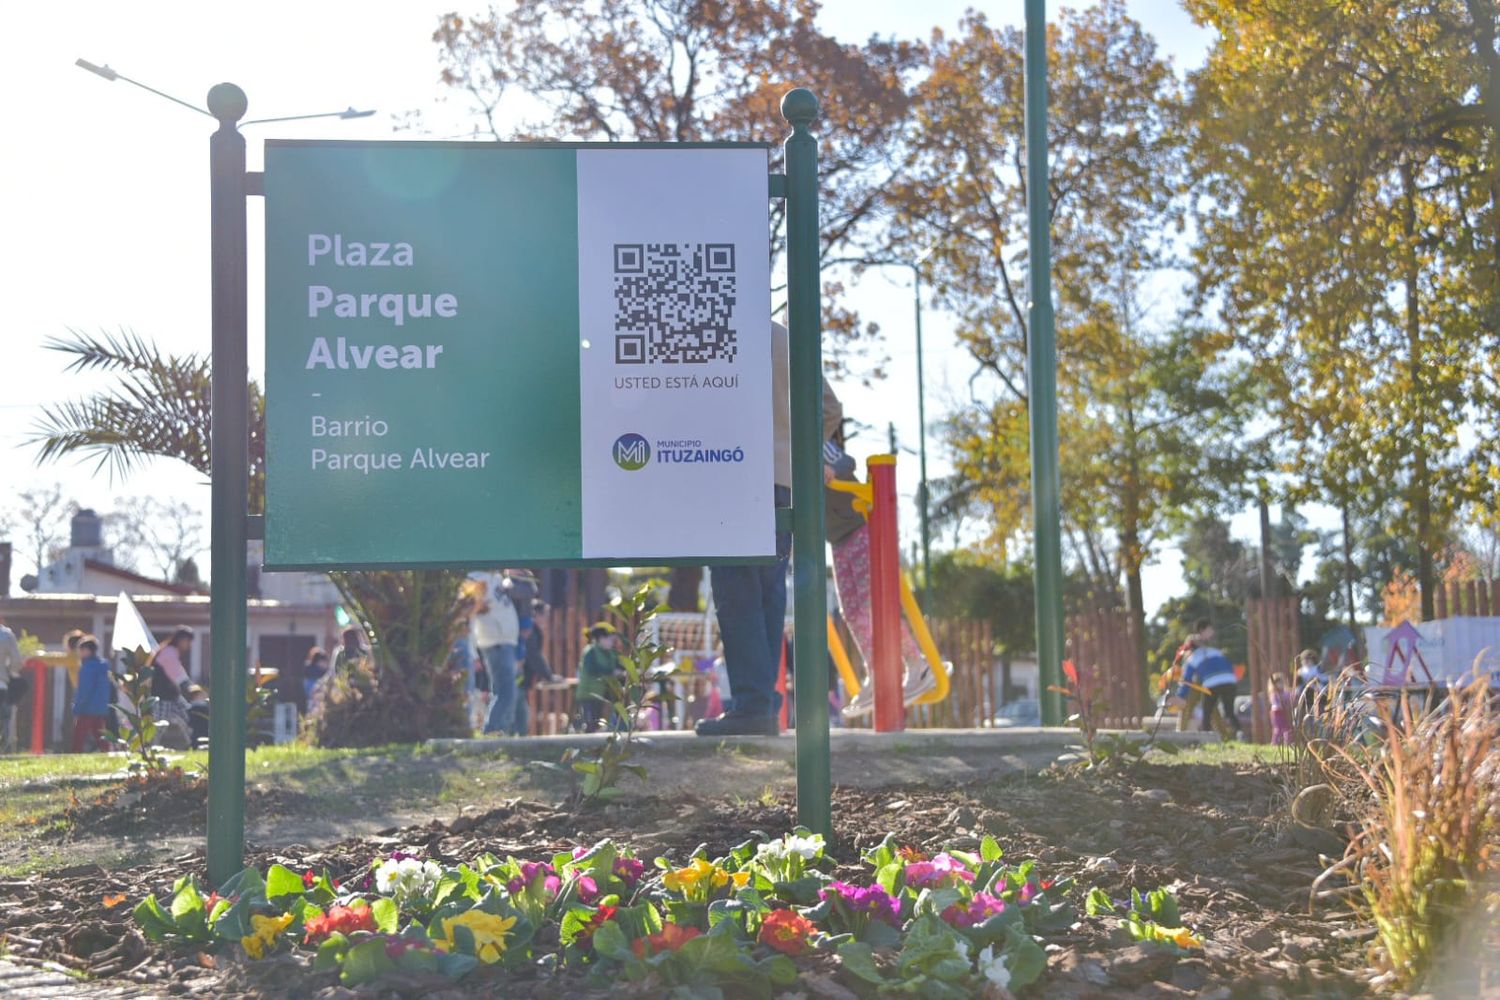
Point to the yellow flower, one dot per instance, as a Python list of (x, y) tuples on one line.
[(1183, 938), (489, 932), (265, 932), (741, 879)]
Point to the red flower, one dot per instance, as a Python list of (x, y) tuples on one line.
[(340, 920), (308, 878), (786, 931), (1047, 883), (670, 938), (601, 916)]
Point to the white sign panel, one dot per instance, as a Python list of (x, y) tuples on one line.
[(675, 363)]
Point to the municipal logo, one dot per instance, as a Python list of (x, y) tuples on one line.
[(632, 452)]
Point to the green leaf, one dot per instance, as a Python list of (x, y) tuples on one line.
[(610, 942), (989, 849), (365, 963), (1023, 957), (386, 914), (281, 881), (1098, 902), (858, 959), (246, 883), (153, 921), (331, 952), (456, 966)]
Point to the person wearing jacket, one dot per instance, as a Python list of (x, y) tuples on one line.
[(1208, 669), (91, 701), (496, 629), (600, 661)]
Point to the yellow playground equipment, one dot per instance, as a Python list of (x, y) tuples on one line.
[(864, 502)]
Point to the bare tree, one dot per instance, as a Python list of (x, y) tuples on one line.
[(163, 534), (43, 515)]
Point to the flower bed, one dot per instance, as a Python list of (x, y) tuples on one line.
[(748, 923)]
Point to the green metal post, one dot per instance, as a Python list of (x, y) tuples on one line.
[(230, 487), (1042, 375), (922, 494), (809, 566)]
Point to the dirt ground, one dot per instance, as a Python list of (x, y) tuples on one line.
[(1209, 831)]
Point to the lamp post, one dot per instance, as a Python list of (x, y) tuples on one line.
[(106, 73), (922, 493)]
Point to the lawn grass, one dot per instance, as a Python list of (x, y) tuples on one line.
[(1226, 753)]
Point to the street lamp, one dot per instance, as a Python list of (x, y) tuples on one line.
[(922, 495), (105, 72)]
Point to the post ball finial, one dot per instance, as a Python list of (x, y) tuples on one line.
[(227, 102), (799, 106)]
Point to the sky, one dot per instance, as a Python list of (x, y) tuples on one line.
[(105, 192)]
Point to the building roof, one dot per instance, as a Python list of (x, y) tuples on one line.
[(109, 569)]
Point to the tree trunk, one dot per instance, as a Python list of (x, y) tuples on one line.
[(1135, 609)]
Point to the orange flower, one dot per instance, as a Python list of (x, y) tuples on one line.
[(670, 938), (786, 931)]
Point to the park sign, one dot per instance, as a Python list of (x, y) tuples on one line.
[(483, 354)]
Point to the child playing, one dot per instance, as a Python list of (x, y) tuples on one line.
[(601, 660), (91, 702), (1282, 703)]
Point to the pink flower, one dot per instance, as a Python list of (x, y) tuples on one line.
[(943, 871), (530, 872), (981, 908)]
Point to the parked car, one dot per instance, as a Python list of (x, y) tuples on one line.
[(1021, 712)]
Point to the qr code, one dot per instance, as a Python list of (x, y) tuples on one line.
[(674, 303)]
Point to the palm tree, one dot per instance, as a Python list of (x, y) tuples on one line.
[(160, 407)]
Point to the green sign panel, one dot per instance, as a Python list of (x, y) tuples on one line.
[(485, 354)]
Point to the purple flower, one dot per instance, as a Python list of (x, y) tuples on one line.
[(579, 852), (981, 908), (871, 901), (629, 870), (588, 889), (530, 871), (1027, 892), (943, 870)]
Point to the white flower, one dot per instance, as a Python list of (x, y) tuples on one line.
[(407, 878), (771, 851), (992, 967), (809, 847)]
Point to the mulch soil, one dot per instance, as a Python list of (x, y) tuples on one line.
[(1203, 830)]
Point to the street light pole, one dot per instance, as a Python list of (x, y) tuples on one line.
[(922, 494), (106, 73)]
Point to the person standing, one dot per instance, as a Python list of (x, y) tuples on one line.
[(600, 661), (751, 600), (534, 666), (170, 685), (1207, 669), (496, 629), (1283, 706), (91, 701), (351, 650), (12, 684)]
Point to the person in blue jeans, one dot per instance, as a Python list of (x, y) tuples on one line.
[(751, 600), (751, 605), (496, 629)]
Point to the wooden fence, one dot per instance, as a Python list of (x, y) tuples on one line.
[(1479, 598), (1275, 628), (1102, 646), (973, 694)]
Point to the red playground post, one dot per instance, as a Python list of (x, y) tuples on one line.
[(885, 597), (38, 705)]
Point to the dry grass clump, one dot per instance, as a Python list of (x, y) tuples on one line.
[(1422, 855)]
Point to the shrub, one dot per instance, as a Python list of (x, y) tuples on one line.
[(1423, 855)]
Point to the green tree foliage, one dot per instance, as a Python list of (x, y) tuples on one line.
[(1141, 403), (968, 585), (1350, 185), (161, 408), (696, 70)]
